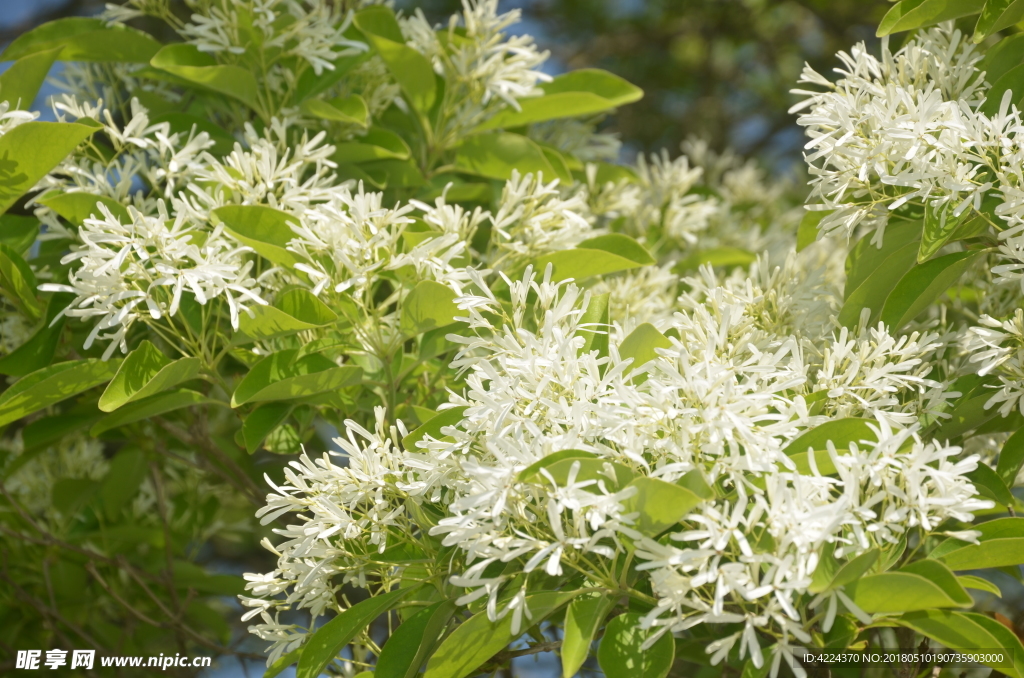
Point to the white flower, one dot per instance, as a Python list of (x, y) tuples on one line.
[(142, 268)]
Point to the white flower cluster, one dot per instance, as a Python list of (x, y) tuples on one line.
[(720, 404), (484, 69), (900, 128), (311, 31)]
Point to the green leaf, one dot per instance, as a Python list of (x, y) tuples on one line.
[(966, 631), (989, 484), (596, 256), (19, 282), (349, 110), (841, 432), (661, 505), (921, 586), (51, 385), (1011, 458), (281, 377), (1011, 81), (433, 426), (265, 229), (150, 407), (282, 663), (1001, 544), (831, 573), (430, 305), (641, 345), (559, 466), (578, 93), (620, 653), (37, 352), (478, 639), (18, 232), (1008, 641), (910, 14), (127, 470), (20, 83), (969, 581), (377, 144), (82, 39), (30, 150), (807, 232), (393, 173), (719, 257), (412, 71), (583, 618), (296, 310), (71, 494), (922, 285), (413, 641), (331, 638), (145, 372), (496, 155), (872, 273), (939, 226), (967, 414), (200, 69), (1003, 56), (77, 207), (264, 419), (997, 15), (594, 325)]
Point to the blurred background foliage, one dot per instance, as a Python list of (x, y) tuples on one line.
[(720, 70)]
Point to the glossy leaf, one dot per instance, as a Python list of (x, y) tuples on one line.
[(1011, 81), (966, 631), (907, 15), (922, 285), (1011, 458), (873, 273), (377, 144), (891, 592), (831, 573), (939, 227), (583, 618), (620, 652), (596, 256), (578, 93), (977, 583), (79, 206), (433, 426), (84, 39), (411, 70), (20, 83), (145, 372), (1003, 56), (202, 70), (1001, 544), (807, 232), (18, 282), (841, 432), (430, 305), (412, 642), (281, 376), (559, 467), (261, 421), (642, 345), (997, 15), (18, 232), (330, 639), (990, 485), (478, 639), (661, 505), (187, 125), (349, 110), (51, 385), (496, 155), (30, 150), (150, 407), (296, 310), (594, 325), (265, 229)]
